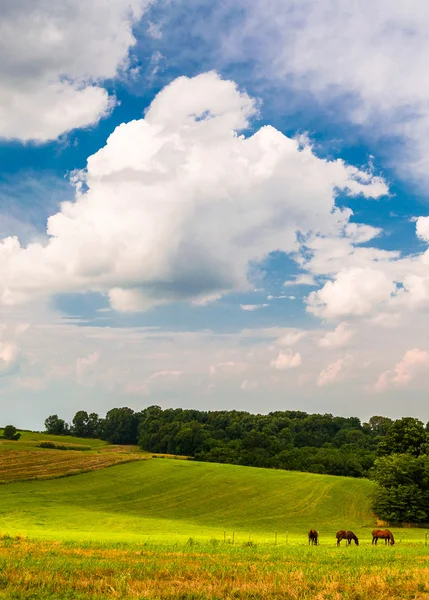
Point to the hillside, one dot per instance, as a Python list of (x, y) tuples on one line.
[(173, 499), (24, 459)]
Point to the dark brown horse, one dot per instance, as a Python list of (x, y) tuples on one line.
[(313, 537), (344, 534), (383, 534)]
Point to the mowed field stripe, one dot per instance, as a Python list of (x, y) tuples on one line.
[(165, 498)]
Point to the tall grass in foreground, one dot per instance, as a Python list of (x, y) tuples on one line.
[(65, 570)]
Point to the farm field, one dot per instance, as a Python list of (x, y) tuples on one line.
[(172, 500), (209, 571), (173, 529), (32, 438), (24, 459)]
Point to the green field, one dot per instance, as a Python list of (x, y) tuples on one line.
[(30, 439), (168, 500), (184, 530)]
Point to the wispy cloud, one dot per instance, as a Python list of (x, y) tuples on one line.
[(252, 307), (159, 374)]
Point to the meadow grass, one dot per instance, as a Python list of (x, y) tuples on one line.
[(172, 500), (184, 530), (197, 571)]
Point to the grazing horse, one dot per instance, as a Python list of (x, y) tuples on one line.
[(383, 534), (313, 537), (346, 535)]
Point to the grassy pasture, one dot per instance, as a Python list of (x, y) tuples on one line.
[(155, 529), (210, 571), (172, 500)]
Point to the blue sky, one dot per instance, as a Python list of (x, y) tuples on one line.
[(252, 219)]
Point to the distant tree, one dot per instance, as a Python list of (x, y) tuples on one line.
[(94, 425), (406, 435), (84, 425), (380, 425), (11, 433), (120, 426), (56, 426), (79, 425)]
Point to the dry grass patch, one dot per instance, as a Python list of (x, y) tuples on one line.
[(22, 465), (38, 570)]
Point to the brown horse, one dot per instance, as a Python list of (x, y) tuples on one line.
[(313, 537), (346, 535), (383, 534)]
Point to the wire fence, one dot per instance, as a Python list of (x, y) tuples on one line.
[(281, 538)]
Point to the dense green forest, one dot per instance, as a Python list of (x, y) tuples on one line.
[(393, 453), (292, 440)]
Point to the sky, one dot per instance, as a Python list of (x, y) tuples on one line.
[(214, 205)]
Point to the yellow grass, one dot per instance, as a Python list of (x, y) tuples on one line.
[(192, 572), (21, 465)]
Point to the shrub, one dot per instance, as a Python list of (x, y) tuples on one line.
[(47, 445), (53, 446), (10, 432)]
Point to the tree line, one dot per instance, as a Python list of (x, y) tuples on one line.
[(392, 453)]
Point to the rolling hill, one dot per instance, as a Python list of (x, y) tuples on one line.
[(25, 459), (162, 500)]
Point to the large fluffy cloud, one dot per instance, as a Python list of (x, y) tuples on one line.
[(54, 54), (368, 282), (177, 204), (367, 59)]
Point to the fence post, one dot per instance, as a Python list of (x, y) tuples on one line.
[(224, 536), (233, 536), (426, 538)]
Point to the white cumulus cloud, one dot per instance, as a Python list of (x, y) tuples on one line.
[(422, 228), (354, 291), (55, 55), (366, 58), (338, 338), (176, 205), (286, 360)]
